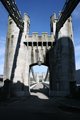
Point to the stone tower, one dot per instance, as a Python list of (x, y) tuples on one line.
[(11, 43), (62, 64)]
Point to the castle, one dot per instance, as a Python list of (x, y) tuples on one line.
[(35, 49)]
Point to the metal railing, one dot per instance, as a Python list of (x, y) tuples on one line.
[(13, 11), (68, 8)]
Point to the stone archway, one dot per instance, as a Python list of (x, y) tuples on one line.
[(39, 80), (43, 74)]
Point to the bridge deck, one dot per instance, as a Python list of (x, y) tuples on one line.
[(36, 108), (40, 91)]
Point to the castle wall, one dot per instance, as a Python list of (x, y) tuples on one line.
[(11, 46), (11, 42), (33, 48), (62, 63)]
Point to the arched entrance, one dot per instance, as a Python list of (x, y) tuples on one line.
[(39, 78)]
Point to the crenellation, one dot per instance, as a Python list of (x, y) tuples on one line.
[(36, 37)]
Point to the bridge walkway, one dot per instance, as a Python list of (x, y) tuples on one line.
[(37, 106), (40, 91)]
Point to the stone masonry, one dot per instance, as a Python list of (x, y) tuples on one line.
[(36, 48)]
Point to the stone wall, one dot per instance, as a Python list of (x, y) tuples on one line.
[(23, 49)]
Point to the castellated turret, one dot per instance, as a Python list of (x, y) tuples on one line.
[(63, 72), (11, 43), (66, 40)]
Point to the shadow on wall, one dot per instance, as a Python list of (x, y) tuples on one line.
[(16, 55), (13, 90), (61, 62), (1, 79), (10, 90)]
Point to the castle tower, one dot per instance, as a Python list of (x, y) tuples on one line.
[(62, 74), (68, 56), (11, 44)]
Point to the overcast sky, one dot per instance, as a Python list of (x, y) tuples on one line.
[(39, 12)]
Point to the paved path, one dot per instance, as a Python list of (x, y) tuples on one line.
[(39, 91), (36, 107)]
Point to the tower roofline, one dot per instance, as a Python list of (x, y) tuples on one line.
[(26, 14)]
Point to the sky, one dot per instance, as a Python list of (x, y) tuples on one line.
[(39, 12)]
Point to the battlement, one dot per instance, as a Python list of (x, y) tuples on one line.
[(43, 37)]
